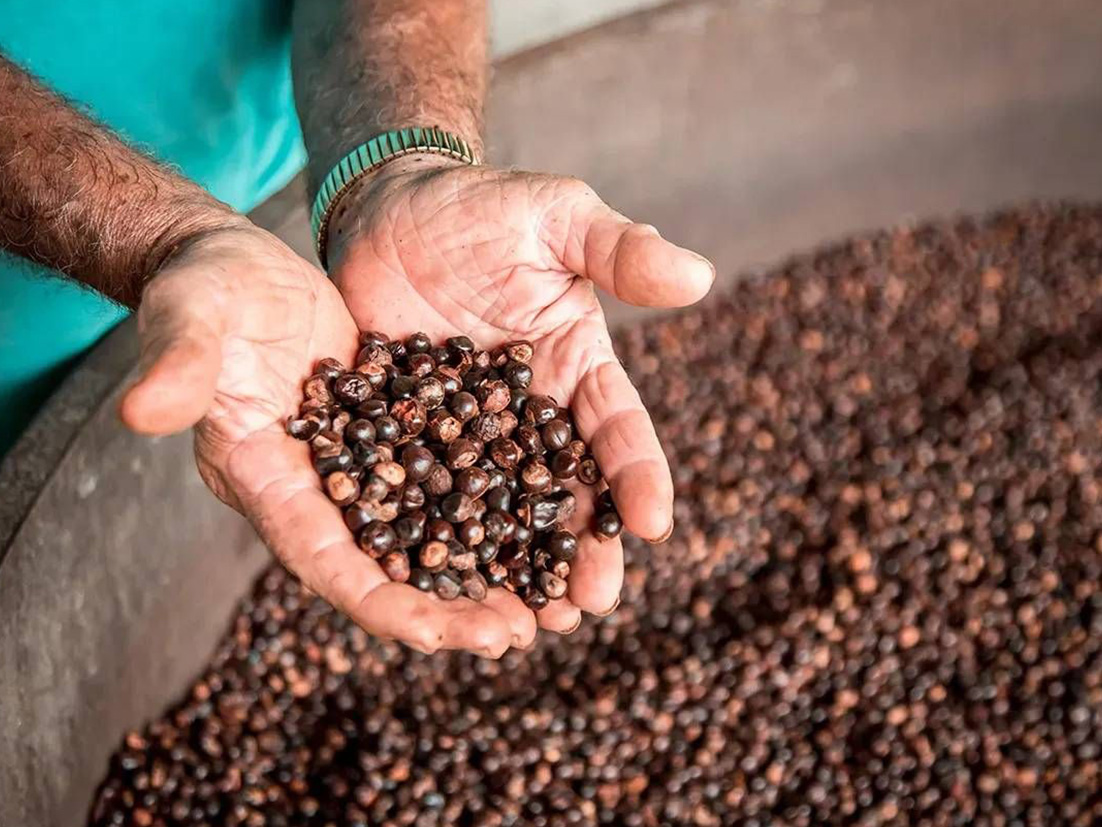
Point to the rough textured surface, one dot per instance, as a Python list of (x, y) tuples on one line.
[(106, 589), (882, 603)]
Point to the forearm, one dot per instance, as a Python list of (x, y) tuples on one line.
[(76, 199), (362, 67)]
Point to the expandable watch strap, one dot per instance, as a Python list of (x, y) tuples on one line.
[(369, 157)]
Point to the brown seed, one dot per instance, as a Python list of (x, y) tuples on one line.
[(456, 507), (393, 474), (535, 477), (577, 448), (588, 471), (507, 422), (418, 462), (422, 365), (375, 353), (433, 556), (341, 488), (564, 465), (317, 387), (410, 415), (396, 566), (472, 481), (560, 568), (556, 435), (540, 409), (463, 406), (493, 396), (505, 453), (340, 422), (462, 560), (374, 373), (351, 389), (552, 586), (439, 481), (485, 427), (443, 427), (446, 585), (470, 532), (529, 440), (474, 586), (463, 453), (519, 351), (430, 392), (329, 368), (377, 539)]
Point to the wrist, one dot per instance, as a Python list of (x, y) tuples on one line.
[(365, 197), (175, 228)]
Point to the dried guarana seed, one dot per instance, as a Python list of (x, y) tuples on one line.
[(456, 507), (341, 488), (433, 555), (446, 585), (418, 462), (463, 453), (517, 374), (552, 586), (391, 473), (492, 396), (588, 471), (396, 566), (535, 477), (563, 545), (446, 465), (318, 387), (518, 351), (387, 429), (351, 389), (474, 586), (881, 604), (378, 538), (410, 415), (439, 481), (421, 580), (556, 435), (608, 525), (564, 465), (540, 409)]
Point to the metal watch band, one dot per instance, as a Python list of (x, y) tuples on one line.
[(369, 157)]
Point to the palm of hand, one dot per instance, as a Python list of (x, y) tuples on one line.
[(494, 256), (230, 330)]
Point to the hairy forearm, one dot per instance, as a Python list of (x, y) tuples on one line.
[(76, 199), (362, 67)]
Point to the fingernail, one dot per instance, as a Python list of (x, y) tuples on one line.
[(574, 628), (518, 645), (609, 611), (665, 535)]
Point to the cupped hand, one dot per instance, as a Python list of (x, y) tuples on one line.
[(230, 328), (430, 245)]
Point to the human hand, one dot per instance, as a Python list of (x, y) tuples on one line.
[(429, 245), (231, 325)]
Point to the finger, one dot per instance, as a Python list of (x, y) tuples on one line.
[(597, 570), (560, 616), (611, 417), (520, 618), (282, 498), (631, 261), (181, 333)]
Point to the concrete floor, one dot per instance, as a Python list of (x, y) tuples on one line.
[(748, 129)]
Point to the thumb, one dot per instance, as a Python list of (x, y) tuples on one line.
[(181, 328), (631, 261)]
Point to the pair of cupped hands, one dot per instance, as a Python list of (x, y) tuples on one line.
[(234, 321)]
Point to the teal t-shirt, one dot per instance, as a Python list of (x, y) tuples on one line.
[(204, 85)]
